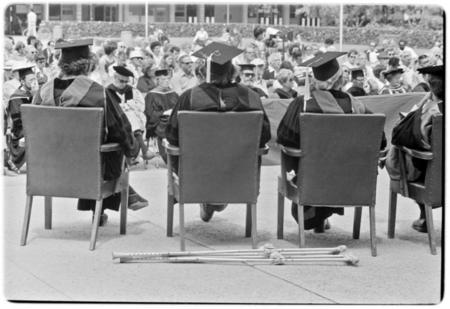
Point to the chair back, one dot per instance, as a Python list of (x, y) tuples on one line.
[(339, 158), (433, 177), (219, 156), (63, 151)]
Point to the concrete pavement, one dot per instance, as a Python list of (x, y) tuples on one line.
[(56, 264)]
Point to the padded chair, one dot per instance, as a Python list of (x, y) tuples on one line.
[(218, 162), (338, 160), (63, 150), (428, 192)]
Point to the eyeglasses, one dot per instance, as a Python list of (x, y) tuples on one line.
[(122, 81), (249, 74), (187, 62), (138, 58), (352, 57), (291, 80)]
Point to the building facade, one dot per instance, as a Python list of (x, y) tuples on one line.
[(157, 13)]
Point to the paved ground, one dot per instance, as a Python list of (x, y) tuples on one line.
[(56, 265)]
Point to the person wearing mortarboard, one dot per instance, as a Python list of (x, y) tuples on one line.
[(414, 131), (247, 77), (394, 84), (132, 103), (22, 95), (73, 88), (356, 88), (325, 97), (159, 103), (218, 93)]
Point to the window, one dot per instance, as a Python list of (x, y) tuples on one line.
[(54, 12), (179, 10), (138, 10), (209, 10), (253, 11)]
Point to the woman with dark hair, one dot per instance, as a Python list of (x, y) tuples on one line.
[(73, 88), (218, 93)]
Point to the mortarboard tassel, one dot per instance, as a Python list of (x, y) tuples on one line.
[(208, 68), (307, 95)]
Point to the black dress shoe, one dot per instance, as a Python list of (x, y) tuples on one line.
[(420, 225), (206, 212), (103, 219)]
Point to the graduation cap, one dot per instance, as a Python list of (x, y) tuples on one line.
[(23, 68), (392, 72), (437, 70), (357, 73), (247, 66), (161, 72), (74, 50), (219, 54), (121, 70), (324, 66)]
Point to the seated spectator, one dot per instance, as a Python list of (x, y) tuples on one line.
[(49, 52), (270, 74), (135, 65), (107, 60), (404, 48), (158, 106), (155, 50), (132, 104), (19, 51), (30, 54), (145, 82), (40, 69), (326, 97), (258, 81), (219, 93), (394, 85), (414, 131), (185, 78), (286, 80), (247, 77), (73, 88), (352, 55)]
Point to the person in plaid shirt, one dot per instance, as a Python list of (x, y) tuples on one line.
[(73, 89)]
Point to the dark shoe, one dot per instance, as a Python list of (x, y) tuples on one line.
[(136, 202), (103, 219), (320, 228), (327, 224), (420, 225), (206, 212)]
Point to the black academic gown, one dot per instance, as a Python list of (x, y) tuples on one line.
[(16, 152), (288, 134), (83, 92), (156, 103), (206, 97)]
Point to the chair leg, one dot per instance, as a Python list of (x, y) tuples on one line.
[(48, 212), (301, 226), (26, 220), (248, 221), (430, 228), (96, 223), (280, 223), (124, 209), (170, 204), (357, 222), (392, 213), (373, 237), (182, 243), (254, 236)]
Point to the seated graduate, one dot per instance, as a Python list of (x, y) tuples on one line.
[(159, 103), (356, 88), (414, 131), (394, 81), (132, 104), (22, 95), (74, 89), (247, 77), (218, 93), (286, 80), (326, 97)]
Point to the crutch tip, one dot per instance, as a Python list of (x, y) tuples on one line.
[(351, 259), (339, 249)]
